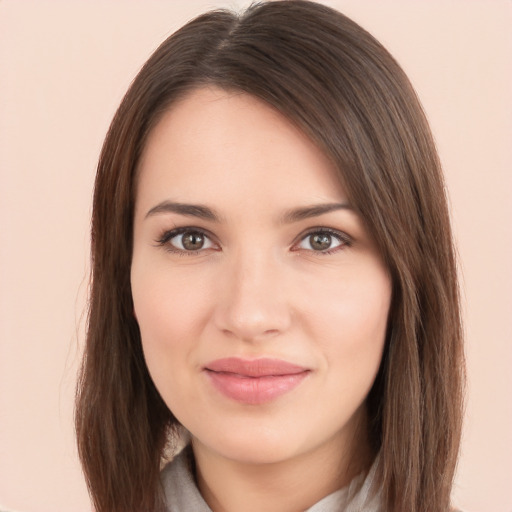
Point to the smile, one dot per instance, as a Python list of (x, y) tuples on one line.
[(255, 381)]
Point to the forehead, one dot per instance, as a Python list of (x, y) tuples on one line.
[(218, 144)]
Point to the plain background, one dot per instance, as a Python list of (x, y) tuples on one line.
[(64, 67)]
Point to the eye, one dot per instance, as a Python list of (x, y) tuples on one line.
[(186, 240), (323, 241)]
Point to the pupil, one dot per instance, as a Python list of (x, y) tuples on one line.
[(193, 241), (320, 241)]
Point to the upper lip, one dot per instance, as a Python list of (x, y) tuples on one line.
[(262, 367)]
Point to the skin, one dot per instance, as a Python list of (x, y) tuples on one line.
[(257, 287)]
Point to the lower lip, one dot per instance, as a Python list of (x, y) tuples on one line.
[(254, 390)]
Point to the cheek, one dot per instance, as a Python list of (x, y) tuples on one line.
[(351, 322), (171, 312), (169, 304)]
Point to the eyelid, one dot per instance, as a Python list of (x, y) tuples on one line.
[(167, 235), (344, 239)]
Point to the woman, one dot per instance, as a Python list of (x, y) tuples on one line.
[(273, 273)]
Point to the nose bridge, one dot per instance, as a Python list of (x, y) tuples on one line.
[(253, 303)]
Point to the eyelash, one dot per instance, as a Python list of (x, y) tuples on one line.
[(167, 236), (164, 240), (343, 239)]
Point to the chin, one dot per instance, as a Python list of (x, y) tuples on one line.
[(253, 446)]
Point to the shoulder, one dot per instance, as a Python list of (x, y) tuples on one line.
[(181, 492)]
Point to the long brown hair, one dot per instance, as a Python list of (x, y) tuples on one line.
[(347, 93)]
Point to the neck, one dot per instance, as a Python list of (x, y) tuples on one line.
[(291, 485)]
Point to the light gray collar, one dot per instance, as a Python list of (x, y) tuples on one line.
[(182, 494)]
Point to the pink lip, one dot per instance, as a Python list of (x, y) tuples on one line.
[(254, 381)]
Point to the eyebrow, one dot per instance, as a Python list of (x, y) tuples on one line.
[(306, 212), (190, 210), (204, 212)]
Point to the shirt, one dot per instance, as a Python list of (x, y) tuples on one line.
[(182, 494)]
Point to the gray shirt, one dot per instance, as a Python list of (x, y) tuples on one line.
[(182, 494)]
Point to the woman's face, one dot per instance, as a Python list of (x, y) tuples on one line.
[(261, 299)]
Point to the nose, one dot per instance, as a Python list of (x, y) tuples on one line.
[(253, 300)]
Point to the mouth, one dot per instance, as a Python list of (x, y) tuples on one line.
[(255, 381)]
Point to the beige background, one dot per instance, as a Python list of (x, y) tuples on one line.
[(63, 69)]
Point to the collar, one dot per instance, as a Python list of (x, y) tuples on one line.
[(182, 494)]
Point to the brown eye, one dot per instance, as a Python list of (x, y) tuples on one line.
[(192, 241), (323, 241), (320, 241), (186, 241)]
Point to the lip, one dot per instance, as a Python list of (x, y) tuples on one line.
[(254, 381)]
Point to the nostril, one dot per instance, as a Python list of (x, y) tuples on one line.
[(244, 334)]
